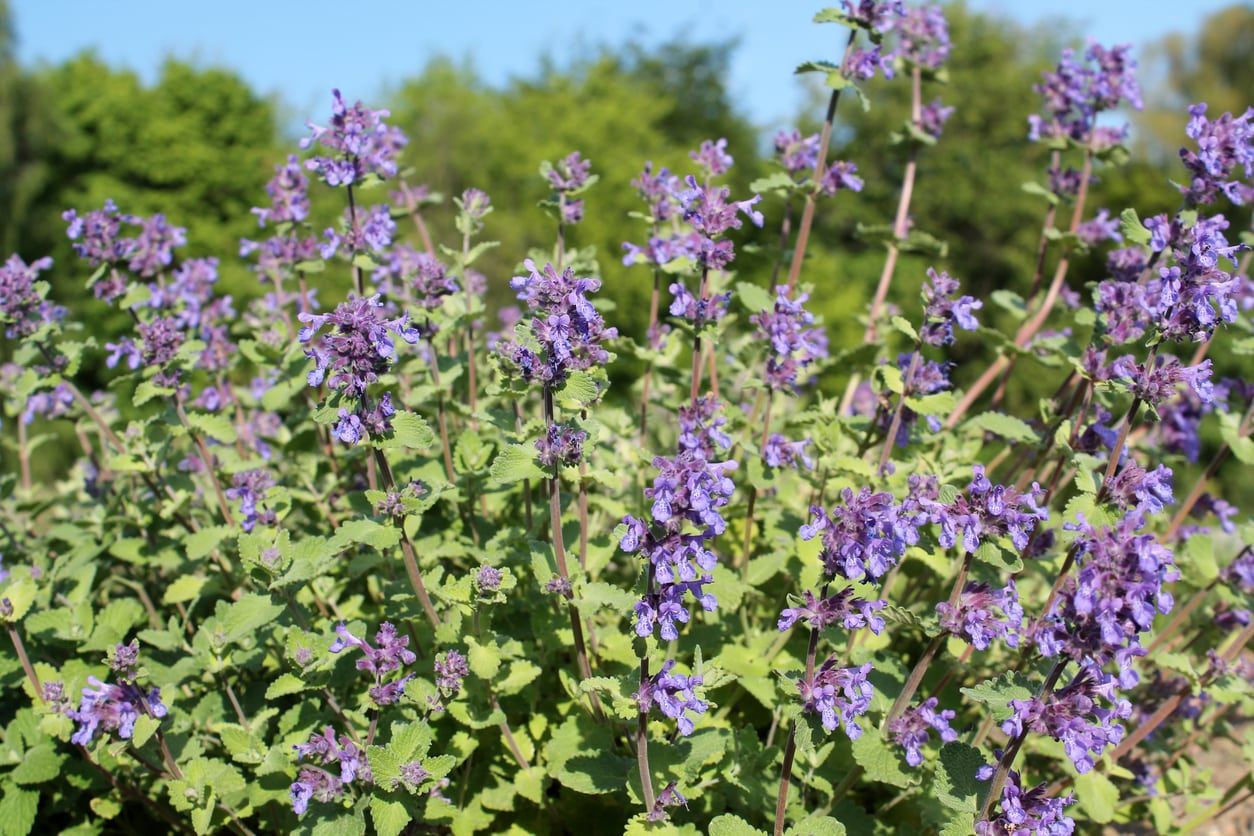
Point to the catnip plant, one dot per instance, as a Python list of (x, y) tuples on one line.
[(772, 584)]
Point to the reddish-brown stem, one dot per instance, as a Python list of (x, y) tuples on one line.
[(23, 454), (440, 418), (642, 718), (408, 554), (1008, 756), (753, 492), (20, 649), (820, 167), (790, 748), (510, 742)]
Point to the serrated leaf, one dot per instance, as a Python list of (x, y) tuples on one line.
[(904, 326), (956, 786), (389, 817), (754, 298), (286, 684), (730, 825), (515, 463), (879, 761), (145, 727), (184, 588), (39, 764), (248, 615), (1097, 796), (1133, 230), (409, 432), (998, 692), (215, 426), (368, 533), (1006, 426)]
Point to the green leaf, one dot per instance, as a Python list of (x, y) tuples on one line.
[(201, 543), (816, 825), (1006, 426), (409, 432), (754, 298), (39, 763), (105, 807), (1133, 230), (17, 811), (147, 390), (242, 745), (1242, 447), (515, 463), (286, 684), (997, 693), (249, 614), (145, 728), (903, 325), (581, 388), (581, 757), (994, 555), (202, 816), (20, 594), (956, 786), (729, 825), (389, 817), (1034, 188), (1010, 301), (184, 589), (368, 533), (1097, 796), (217, 427), (879, 761)]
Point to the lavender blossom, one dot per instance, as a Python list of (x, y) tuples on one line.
[(913, 728), (289, 195), (839, 176), (780, 452), (391, 654), (107, 708), (1077, 91), (982, 615), (838, 695), (674, 694), (797, 154), (941, 310), (985, 511), (1225, 148), (1074, 715), (863, 537), (712, 158), (1157, 384), (932, 118), (359, 143), (843, 608), (314, 783), (795, 343), (923, 36), (1028, 812), (562, 445), (1145, 490), (701, 428), (250, 487), (23, 308)]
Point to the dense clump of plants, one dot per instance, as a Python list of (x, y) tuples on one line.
[(377, 562)]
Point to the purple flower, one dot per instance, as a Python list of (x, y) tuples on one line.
[(862, 64), (1075, 716), (795, 342), (701, 428), (1077, 91), (985, 511), (1225, 147), (50, 403), (562, 445), (450, 669), (923, 36), (913, 728), (780, 452), (874, 15), (674, 694), (107, 708), (843, 608), (710, 213), (1099, 228), (570, 174), (416, 275), (941, 311), (289, 195), (838, 695), (1028, 812), (712, 158), (358, 348), (161, 340), (391, 654), (667, 798), (488, 578), (1146, 490), (325, 749), (152, 251), (862, 537), (23, 309), (359, 142), (1163, 381), (932, 118), (840, 175), (250, 487), (660, 190), (1112, 597), (698, 311), (96, 235), (982, 615), (797, 154), (475, 203)]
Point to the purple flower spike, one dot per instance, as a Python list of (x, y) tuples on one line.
[(912, 729), (863, 537), (943, 309), (1074, 715), (838, 695), (983, 615), (359, 142), (674, 695), (1028, 812), (1225, 150), (795, 342)]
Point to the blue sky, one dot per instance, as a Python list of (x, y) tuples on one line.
[(299, 50)]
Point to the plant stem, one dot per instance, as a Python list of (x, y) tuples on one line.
[(1008, 756), (820, 167), (23, 454), (441, 420), (471, 385), (642, 717), (753, 491), (891, 437), (408, 553), (20, 649), (205, 456), (790, 748), (648, 372), (1199, 487)]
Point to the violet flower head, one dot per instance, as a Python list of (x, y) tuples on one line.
[(873, 15), (795, 342), (1101, 227), (1159, 383), (942, 309), (985, 511), (488, 579), (838, 695), (933, 116), (357, 142), (115, 707), (249, 487), (660, 191), (569, 174), (913, 728), (416, 275), (358, 347), (451, 668), (843, 608), (862, 64), (23, 308), (701, 428), (1193, 296), (1224, 160), (862, 537), (712, 157), (711, 213), (49, 403), (840, 175), (1075, 715), (923, 36), (568, 329), (289, 195), (698, 311), (669, 797), (1028, 812), (780, 452), (983, 614), (796, 153), (1119, 586), (675, 695), (1147, 491), (152, 250), (562, 445), (325, 750), (124, 661), (1078, 90)]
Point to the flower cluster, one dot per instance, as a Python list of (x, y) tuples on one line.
[(568, 177), (315, 783), (838, 695), (1158, 380), (795, 342), (983, 615), (941, 310), (674, 694), (249, 487), (1112, 598), (359, 143), (1078, 90), (913, 728), (1148, 491), (289, 195), (780, 452), (567, 329), (844, 608), (923, 36), (1224, 146), (391, 654), (701, 428), (23, 308), (562, 444), (863, 537), (796, 153), (1027, 811), (985, 511), (1074, 715), (115, 707), (356, 351), (416, 276)]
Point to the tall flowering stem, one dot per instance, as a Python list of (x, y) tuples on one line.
[(790, 747), (408, 554)]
